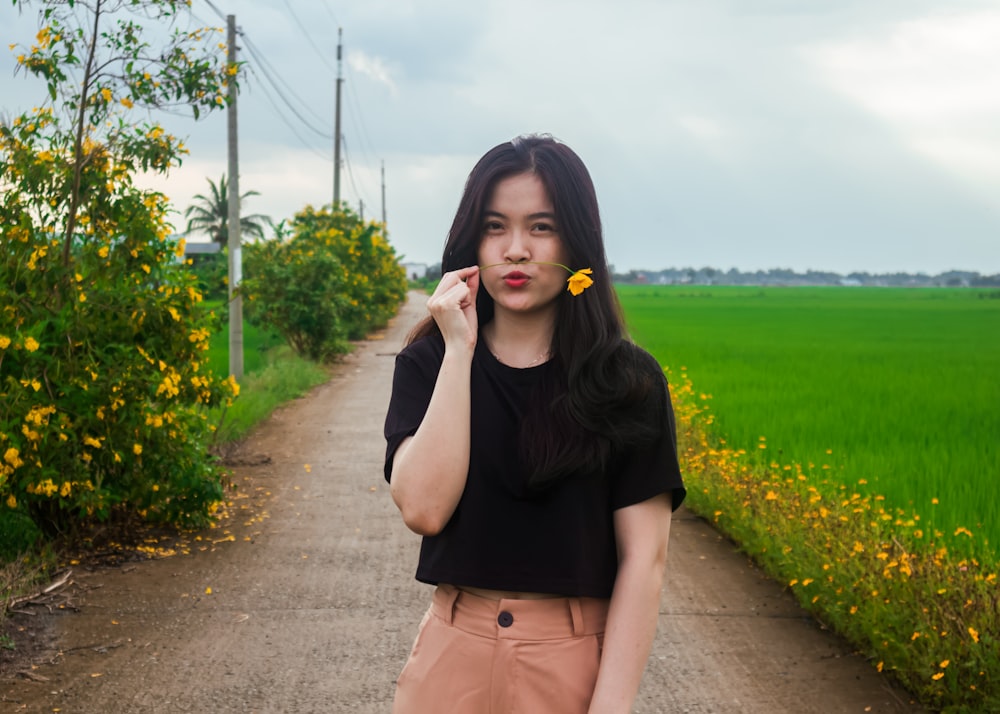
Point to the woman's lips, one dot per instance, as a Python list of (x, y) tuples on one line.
[(515, 279)]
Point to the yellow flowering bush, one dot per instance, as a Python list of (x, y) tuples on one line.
[(102, 332), (912, 601), (326, 279)]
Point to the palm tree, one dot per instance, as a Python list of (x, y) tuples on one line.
[(212, 214)]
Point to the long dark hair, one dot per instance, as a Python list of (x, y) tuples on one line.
[(607, 395)]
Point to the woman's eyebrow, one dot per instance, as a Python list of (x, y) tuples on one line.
[(532, 216)]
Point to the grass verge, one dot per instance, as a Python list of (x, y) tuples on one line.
[(286, 376), (918, 610)]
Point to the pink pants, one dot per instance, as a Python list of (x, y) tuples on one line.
[(473, 655)]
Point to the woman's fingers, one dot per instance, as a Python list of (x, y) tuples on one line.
[(454, 289), (453, 304), (472, 282)]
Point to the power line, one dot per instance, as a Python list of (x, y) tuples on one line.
[(277, 85), (350, 174), (289, 124), (305, 32), (218, 12), (366, 142), (329, 10)]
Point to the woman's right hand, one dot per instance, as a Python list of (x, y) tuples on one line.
[(453, 307)]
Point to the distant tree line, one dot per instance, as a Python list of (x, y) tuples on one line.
[(788, 277)]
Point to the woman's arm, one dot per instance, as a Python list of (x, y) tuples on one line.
[(642, 531), (429, 468)]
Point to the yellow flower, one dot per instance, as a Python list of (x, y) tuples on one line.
[(126, 102), (31, 344), (106, 93), (579, 281), (974, 635), (137, 449), (4, 342), (11, 457), (11, 501), (937, 676)]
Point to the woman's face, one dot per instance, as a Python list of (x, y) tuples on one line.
[(519, 230)]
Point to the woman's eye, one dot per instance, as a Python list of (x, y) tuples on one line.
[(492, 226), (544, 228)]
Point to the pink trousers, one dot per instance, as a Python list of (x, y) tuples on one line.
[(473, 655)]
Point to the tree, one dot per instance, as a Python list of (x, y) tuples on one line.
[(212, 215), (328, 278), (103, 383)]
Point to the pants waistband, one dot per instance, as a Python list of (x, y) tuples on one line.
[(547, 619)]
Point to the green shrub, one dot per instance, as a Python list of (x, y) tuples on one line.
[(103, 388), (330, 279)]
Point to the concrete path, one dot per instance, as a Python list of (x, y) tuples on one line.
[(307, 602)]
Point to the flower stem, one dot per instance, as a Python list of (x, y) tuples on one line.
[(529, 262)]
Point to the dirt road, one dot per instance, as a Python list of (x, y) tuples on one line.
[(307, 602)]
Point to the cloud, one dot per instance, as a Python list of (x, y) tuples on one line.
[(373, 67), (933, 80)]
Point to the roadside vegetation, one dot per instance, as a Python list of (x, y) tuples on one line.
[(846, 439), (114, 395)]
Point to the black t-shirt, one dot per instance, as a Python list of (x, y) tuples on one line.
[(503, 536)]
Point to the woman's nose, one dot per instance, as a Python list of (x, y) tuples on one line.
[(517, 249)]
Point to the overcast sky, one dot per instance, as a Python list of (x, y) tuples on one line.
[(808, 134)]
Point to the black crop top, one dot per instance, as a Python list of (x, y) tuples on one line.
[(501, 536)]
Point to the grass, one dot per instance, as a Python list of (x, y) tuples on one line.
[(285, 376), (811, 423), (897, 387)]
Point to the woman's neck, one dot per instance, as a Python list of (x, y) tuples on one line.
[(520, 340)]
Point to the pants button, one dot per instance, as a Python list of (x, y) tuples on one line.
[(505, 619)]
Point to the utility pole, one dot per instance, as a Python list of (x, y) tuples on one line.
[(336, 123), (361, 209), (385, 226), (233, 221)]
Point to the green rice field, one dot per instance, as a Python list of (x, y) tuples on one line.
[(897, 390)]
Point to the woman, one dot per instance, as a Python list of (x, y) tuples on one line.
[(532, 446)]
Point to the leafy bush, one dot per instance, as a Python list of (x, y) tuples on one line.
[(103, 389), (327, 279), (211, 271)]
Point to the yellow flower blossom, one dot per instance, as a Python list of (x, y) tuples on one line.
[(4, 342), (137, 449), (974, 634), (91, 441), (580, 281), (11, 501), (31, 344), (106, 93), (12, 457)]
